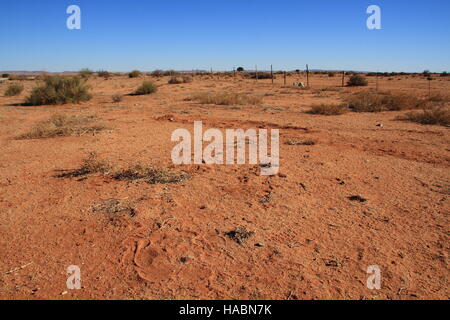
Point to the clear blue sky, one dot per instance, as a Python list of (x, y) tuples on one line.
[(120, 35)]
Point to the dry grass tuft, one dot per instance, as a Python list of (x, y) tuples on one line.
[(61, 125), (150, 174), (14, 89), (383, 101), (227, 99), (113, 206), (90, 165), (147, 87), (179, 80), (240, 235), (436, 116), (328, 109), (301, 142)]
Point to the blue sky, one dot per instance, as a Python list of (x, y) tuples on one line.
[(119, 35)]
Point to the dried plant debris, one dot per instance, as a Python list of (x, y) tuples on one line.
[(150, 174), (61, 125), (300, 142), (240, 235), (113, 206), (90, 165), (357, 198)]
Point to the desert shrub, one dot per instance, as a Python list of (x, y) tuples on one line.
[(17, 77), (134, 74), (240, 69), (436, 116), (85, 73), (59, 90), (5, 75), (14, 89), (377, 102), (261, 75), (182, 79), (328, 109), (104, 74), (227, 99), (439, 97), (147, 87), (357, 81), (117, 98), (444, 74), (61, 125), (158, 73), (150, 174), (331, 74)]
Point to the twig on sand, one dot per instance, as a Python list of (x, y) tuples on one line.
[(19, 268)]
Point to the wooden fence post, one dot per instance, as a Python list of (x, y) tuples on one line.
[(307, 76)]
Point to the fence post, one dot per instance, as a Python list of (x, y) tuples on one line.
[(343, 78), (307, 76), (271, 73), (284, 77)]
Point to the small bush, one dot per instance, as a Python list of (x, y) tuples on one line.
[(182, 79), (117, 98), (85, 73), (61, 125), (147, 87), (328, 109), (104, 74), (357, 81), (14, 89), (331, 74), (227, 99), (59, 90), (261, 75), (434, 116), (5, 75), (444, 74), (90, 165), (134, 74)]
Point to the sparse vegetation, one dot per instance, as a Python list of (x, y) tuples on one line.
[(357, 80), (14, 89), (328, 109), (61, 125), (135, 74), (436, 116), (59, 90), (150, 174), (227, 99), (147, 87), (85, 73), (90, 165)]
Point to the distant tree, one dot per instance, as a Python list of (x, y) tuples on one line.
[(240, 69), (444, 74), (85, 73)]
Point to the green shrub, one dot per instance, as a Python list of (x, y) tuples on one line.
[(14, 89), (134, 74), (357, 81), (59, 90), (147, 87), (5, 75), (182, 79), (331, 74)]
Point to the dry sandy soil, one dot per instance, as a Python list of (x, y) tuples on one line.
[(309, 242)]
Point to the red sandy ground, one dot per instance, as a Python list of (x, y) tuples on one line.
[(317, 244)]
